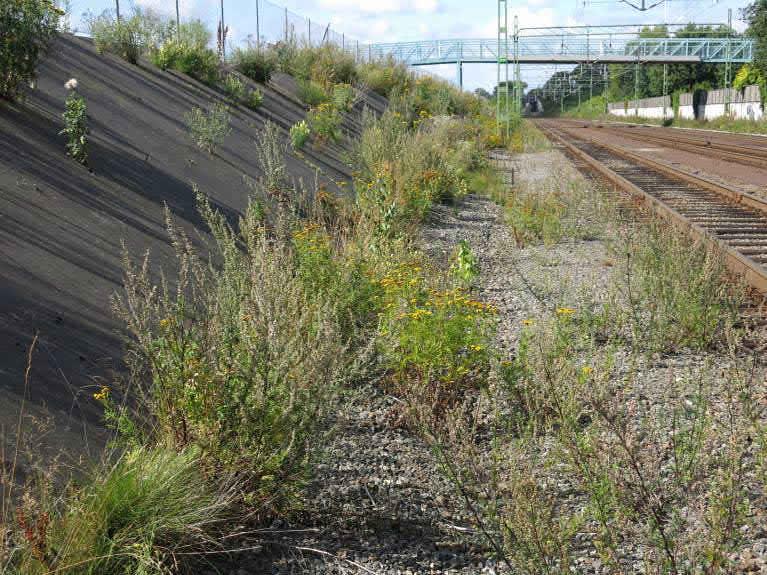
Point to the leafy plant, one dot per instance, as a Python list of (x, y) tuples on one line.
[(311, 93), (118, 37), (343, 97), (255, 99), (234, 87), (299, 134), (209, 129), (325, 121), (76, 124), (28, 28), (198, 62), (255, 63), (465, 265)]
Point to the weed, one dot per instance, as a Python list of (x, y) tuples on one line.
[(257, 64), (76, 124), (209, 129), (325, 121), (255, 99), (129, 516), (198, 62), (234, 87), (299, 134), (118, 37), (28, 27), (464, 266), (311, 93)]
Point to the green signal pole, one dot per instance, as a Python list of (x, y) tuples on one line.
[(502, 108)]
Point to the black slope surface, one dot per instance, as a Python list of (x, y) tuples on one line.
[(62, 226)]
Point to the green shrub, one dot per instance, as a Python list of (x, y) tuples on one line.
[(255, 63), (255, 99), (28, 28), (311, 93), (128, 517), (209, 129), (325, 121), (243, 360), (76, 124), (120, 38), (385, 77), (195, 61), (299, 134), (234, 87)]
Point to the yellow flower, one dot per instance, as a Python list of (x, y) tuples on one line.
[(587, 370), (528, 322), (565, 311), (102, 394), (476, 347), (165, 322)]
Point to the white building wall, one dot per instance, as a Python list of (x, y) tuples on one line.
[(686, 112)]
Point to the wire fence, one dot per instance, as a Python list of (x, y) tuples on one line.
[(258, 22)]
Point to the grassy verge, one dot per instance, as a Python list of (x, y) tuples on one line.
[(605, 438)]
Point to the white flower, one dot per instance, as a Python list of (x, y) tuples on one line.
[(71, 84)]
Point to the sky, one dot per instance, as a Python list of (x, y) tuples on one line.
[(400, 20)]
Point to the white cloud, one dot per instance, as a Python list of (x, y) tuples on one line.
[(381, 6)]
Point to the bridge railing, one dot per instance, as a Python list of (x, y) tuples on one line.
[(580, 48)]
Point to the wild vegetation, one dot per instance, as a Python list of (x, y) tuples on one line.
[(578, 436), (237, 363), (28, 28)]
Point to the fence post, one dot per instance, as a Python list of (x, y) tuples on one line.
[(223, 33), (310, 31), (357, 52), (258, 27), (286, 25), (343, 41)]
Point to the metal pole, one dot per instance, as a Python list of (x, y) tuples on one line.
[(310, 31), (665, 88), (728, 65), (178, 23), (286, 25), (117, 7), (636, 86), (258, 26), (223, 33)]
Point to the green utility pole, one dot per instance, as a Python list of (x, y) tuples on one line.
[(665, 88), (636, 85), (517, 79), (502, 105), (728, 64)]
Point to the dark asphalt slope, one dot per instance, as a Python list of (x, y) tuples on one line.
[(62, 225)]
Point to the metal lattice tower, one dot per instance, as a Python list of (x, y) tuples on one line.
[(503, 112)]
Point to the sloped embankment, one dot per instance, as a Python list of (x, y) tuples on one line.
[(62, 225)]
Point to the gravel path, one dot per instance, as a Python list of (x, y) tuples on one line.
[(379, 503)]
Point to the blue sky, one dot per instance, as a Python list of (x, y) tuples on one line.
[(392, 20)]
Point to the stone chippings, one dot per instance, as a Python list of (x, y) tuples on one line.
[(378, 502)]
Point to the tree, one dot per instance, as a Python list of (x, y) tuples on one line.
[(755, 15)]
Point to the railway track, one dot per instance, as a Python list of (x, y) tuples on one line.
[(733, 221), (740, 153)]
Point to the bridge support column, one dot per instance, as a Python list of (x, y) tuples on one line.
[(459, 74)]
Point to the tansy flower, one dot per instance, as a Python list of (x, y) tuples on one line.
[(565, 311), (165, 322), (528, 322), (102, 394), (587, 370)]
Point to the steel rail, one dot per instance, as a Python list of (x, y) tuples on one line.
[(740, 154), (730, 220)]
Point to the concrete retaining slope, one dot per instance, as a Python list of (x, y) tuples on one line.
[(62, 225)]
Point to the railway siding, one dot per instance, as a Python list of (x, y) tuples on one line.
[(734, 221)]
